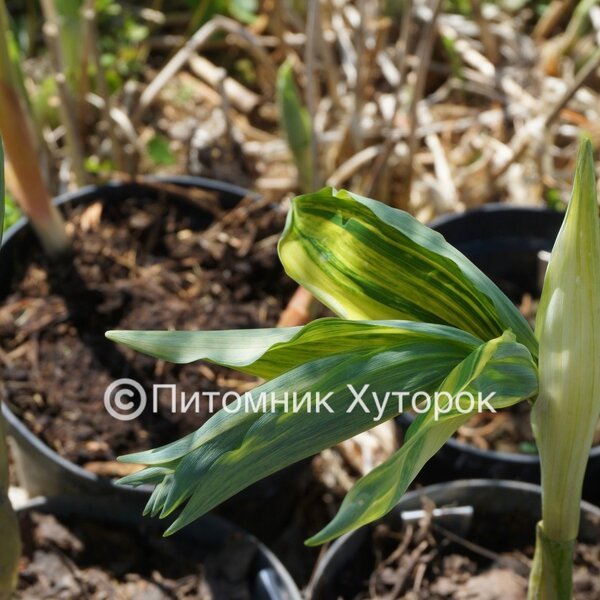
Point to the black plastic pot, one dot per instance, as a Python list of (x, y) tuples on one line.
[(504, 243), (269, 580), (502, 510), (42, 471)]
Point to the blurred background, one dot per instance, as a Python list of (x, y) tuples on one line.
[(432, 106)]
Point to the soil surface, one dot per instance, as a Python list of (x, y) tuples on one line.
[(74, 559), (151, 265), (136, 265), (425, 561)]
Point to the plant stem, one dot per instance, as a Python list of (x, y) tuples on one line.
[(90, 23), (424, 52), (51, 33), (312, 20), (565, 413), (16, 129), (550, 577)]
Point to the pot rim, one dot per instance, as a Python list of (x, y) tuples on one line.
[(69, 505), (501, 485), (491, 209)]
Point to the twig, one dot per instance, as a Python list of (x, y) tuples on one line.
[(218, 23), (239, 96), (487, 37), (353, 164), (361, 35), (226, 109), (424, 52), (518, 566), (390, 142), (441, 166), (590, 66), (331, 68), (551, 17), (88, 14), (521, 142), (51, 33), (312, 20), (347, 52)]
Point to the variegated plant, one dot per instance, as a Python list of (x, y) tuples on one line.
[(416, 315)]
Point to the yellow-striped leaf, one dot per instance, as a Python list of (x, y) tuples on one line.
[(366, 260)]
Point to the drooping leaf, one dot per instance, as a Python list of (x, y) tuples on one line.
[(234, 450), (270, 352), (366, 260), (500, 367)]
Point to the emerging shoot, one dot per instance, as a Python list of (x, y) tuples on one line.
[(565, 414)]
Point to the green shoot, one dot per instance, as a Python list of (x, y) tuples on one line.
[(295, 122), (414, 315)]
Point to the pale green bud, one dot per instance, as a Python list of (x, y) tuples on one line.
[(565, 414)]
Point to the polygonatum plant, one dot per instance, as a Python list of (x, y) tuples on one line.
[(413, 315)]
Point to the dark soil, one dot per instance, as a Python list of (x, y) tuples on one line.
[(136, 265), (75, 559), (427, 562), (151, 265)]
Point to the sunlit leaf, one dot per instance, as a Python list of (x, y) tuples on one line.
[(501, 368), (234, 450), (270, 352), (366, 260)]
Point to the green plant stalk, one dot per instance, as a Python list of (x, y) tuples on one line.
[(16, 129), (296, 123), (551, 571), (67, 105), (566, 412), (10, 547), (70, 35)]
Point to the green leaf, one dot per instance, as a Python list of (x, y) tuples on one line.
[(365, 260), (234, 450), (295, 122), (159, 151), (270, 352), (243, 10), (501, 366)]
